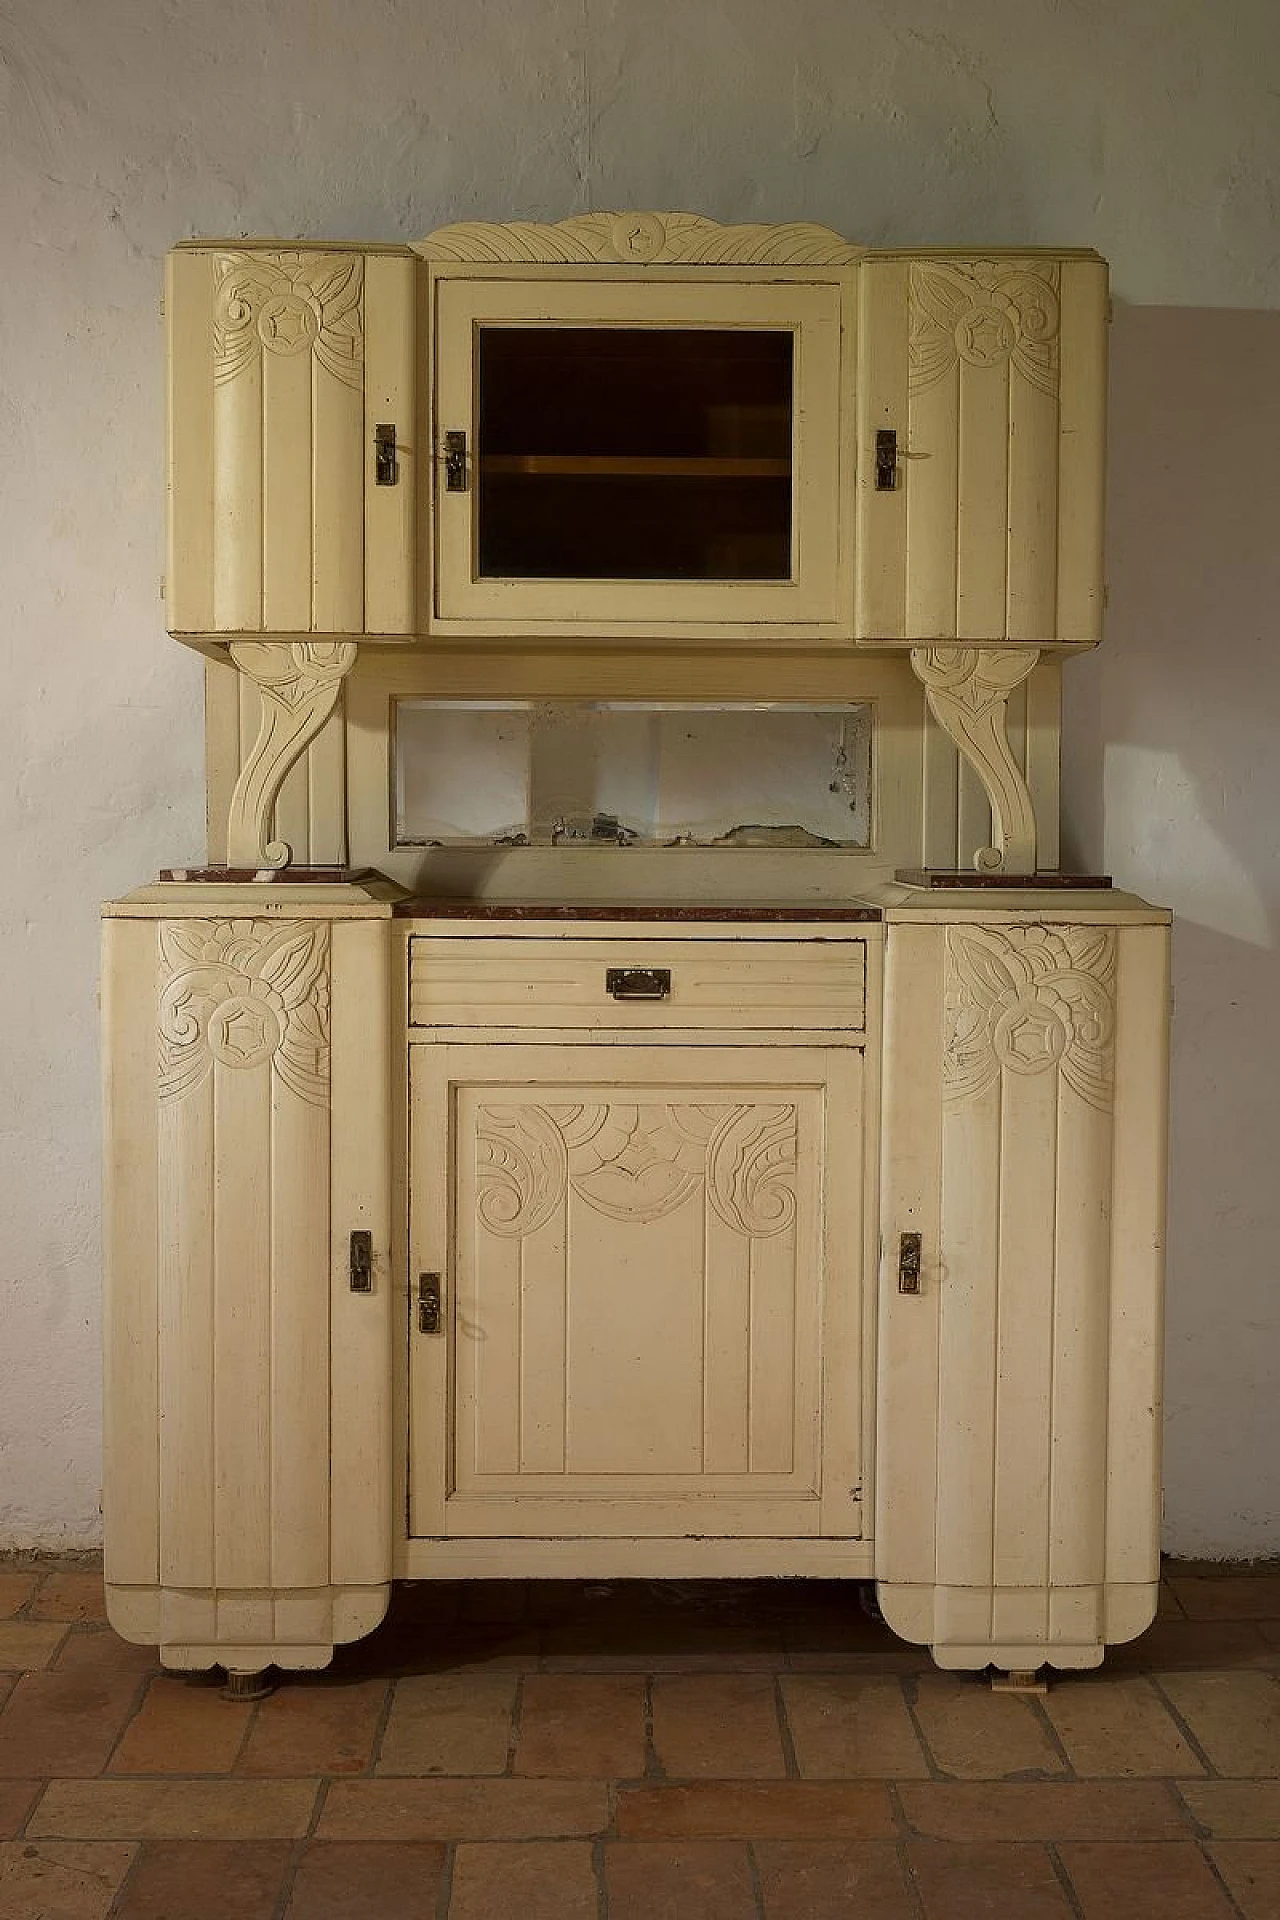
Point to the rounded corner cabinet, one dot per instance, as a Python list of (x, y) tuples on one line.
[(631, 1092)]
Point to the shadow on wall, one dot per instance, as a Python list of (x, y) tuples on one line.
[(1171, 782)]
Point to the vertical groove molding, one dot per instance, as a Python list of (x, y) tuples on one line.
[(1017, 1500), (992, 372), (230, 1195), (275, 518)]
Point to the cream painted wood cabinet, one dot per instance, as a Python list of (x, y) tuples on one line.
[(248, 1470), (284, 364), (622, 426), (803, 1214), (1018, 1481)]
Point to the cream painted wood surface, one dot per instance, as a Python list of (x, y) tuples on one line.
[(246, 1131), (812, 602), (991, 370), (282, 361), (651, 1290), (1018, 1403)]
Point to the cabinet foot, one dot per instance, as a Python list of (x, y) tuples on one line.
[(247, 1686), (1018, 1680)]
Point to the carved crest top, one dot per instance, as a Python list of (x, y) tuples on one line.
[(638, 239)]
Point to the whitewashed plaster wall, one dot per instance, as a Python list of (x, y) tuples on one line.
[(1147, 131)]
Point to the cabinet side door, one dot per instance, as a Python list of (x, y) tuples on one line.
[(395, 355)]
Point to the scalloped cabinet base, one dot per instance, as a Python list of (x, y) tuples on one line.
[(1018, 1394)]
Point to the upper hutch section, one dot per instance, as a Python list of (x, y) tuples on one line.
[(636, 426)]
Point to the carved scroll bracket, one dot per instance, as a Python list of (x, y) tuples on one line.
[(299, 686), (968, 690)]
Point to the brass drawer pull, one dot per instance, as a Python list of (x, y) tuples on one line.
[(638, 983)]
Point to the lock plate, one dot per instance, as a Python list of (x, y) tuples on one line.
[(455, 461), (361, 1268), (886, 460), (386, 468), (428, 1303), (638, 983), (909, 1263)]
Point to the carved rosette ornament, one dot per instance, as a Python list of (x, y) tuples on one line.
[(238, 994), (968, 691), (1030, 1000), (636, 1163), (986, 313), (640, 239), (299, 686), (286, 303)]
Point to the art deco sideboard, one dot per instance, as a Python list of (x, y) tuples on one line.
[(632, 1092)]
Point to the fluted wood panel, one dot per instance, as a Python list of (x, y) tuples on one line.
[(275, 520), (992, 372), (1006, 1384), (644, 1305), (235, 1478)]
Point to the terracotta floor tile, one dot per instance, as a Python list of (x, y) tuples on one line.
[(1235, 1810), (60, 1880), (675, 1647), (852, 1726), (1170, 1645), (581, 1727), (315, 1726), (679, 1880), (182, 1726), (27, 1645), (99, 1650), (17, 1797), (1015, 1882), (1243, 1596), (1235, 1717), (63, 1723), (463, 1809), (457, 1723), (71, 1596), (15, 1590), (975, 1734), (544, 1881), (1044, 1810), (751, 1809), (717, 1726), (833, 1880), (367, 1880), (206, 1880), (1251, 1869), (175, 1809), (1169, 1881), (1118, 1725)]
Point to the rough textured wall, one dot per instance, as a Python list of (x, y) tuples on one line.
[(1149, 133)]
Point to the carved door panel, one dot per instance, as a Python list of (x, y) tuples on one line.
[(992, 373), (283, 362), (1018, 1383), (247, 1494), (650, 1300)]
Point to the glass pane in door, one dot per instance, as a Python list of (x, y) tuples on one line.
[(634, 453)]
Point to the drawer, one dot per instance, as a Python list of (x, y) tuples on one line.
[(730, 985)]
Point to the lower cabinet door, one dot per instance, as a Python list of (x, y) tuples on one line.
[(635, 1301)]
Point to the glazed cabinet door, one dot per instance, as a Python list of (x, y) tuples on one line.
[(247, 1489), (983, 520), (1022, 1210), (289, 510), (635, 1291), (623, 457)]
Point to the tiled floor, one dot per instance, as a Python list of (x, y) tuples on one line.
[(664, 1752)]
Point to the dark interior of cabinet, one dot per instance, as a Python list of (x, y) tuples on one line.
[(629, 453)]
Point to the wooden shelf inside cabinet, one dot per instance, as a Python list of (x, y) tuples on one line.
[(636, 466)]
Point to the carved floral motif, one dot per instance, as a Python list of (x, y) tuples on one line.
[(241, 994), (636, 1162), (1029, 1000), (298, 686), (642, 239), (285, 303), (985, 313)]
